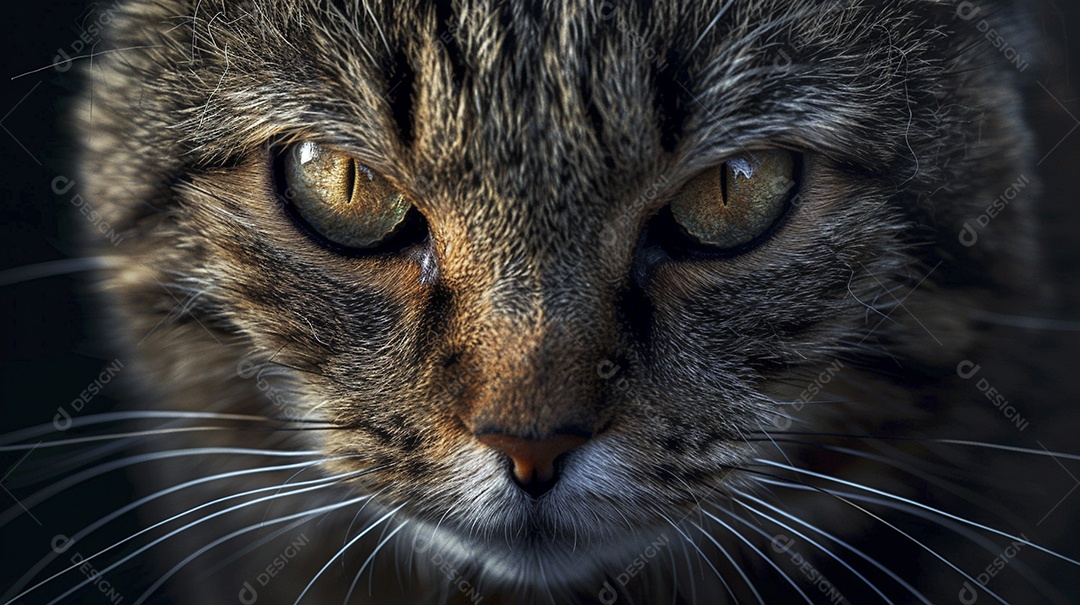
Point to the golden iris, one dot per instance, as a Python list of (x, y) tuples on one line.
[(731, 204), (343, 200)]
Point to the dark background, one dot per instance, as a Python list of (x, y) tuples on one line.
[(48, 349)]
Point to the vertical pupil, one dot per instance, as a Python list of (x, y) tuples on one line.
[(350, 181)]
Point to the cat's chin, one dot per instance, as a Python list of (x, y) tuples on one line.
[(507, 539), (528, 559)]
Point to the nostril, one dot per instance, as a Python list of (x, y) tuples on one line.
[(533, 459)]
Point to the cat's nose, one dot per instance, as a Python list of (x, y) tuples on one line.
[(534, 459)]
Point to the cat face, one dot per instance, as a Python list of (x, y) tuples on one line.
[(548, 361)]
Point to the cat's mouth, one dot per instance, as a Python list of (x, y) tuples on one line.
[(514, 510), (590, 517)]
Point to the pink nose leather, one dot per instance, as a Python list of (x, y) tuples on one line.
[(534, 459)]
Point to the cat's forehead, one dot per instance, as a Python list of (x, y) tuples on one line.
[(577, 94), (525, 97), (523, 74)]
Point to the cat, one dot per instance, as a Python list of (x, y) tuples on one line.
[(580, 302)]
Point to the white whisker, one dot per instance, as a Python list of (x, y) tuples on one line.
[(738, 568), (371, 558), (978, 539), (144, 500), (832, 537), (342, 551), (813, 542), (768, 560), (240, 532), (316, 484), (250, 548), (913, 539), (53, 268), (924, 507), (60, 486), (115, 436), (48, 428), (89, 56), (703, 557)]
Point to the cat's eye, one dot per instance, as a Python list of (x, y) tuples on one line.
[(342, 200), (732, 204)]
